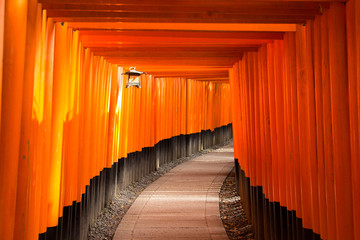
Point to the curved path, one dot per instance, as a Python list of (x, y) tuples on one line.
[(182, 204)]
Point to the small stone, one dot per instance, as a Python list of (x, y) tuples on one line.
[(231, 212)]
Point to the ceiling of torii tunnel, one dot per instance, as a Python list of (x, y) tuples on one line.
[(193, 39)]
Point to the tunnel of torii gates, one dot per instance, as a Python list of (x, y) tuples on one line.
[(279, 77)]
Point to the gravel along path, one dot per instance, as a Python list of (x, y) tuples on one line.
[(231, 211), (109, 219)]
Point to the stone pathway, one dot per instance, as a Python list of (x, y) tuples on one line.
[(182, 204)]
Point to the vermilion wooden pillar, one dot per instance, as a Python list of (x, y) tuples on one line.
[(112, 117), (267, 178), (317, 59), (26, 206), (279, 111), (340, 121), (2, 19), (57, 122), (327, 125), (356, 164), (11, 107), (304, 87), (272, 115), (44, 135), (312, 158), (236, 107), (353, 37)]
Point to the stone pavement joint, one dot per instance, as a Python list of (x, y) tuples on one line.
[(182, 204)]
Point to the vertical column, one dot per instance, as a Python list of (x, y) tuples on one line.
[(57, 123), (44, 136), (11, 107), (352, 42), (356, 163), (305, 100), (235, 95), (251, 117), (2, 21), (267, 172), (272, 114), (286, 98), (288, 74), (313, 164), (112, 117), (340, 121), (328, 139), (28, 167), (294, 138), (279, 111), (316, 31)]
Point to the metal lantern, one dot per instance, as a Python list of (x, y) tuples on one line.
[(133, 77)]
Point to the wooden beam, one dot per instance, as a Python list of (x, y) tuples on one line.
[(186, 2), (177, 54), (85, 16), (99, 40), (244, 19), (186, 34), (157, 49), (219, 27), (209, 62), (220, 6), (94, 10), (121, 45)]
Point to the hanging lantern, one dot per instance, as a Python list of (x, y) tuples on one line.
[(133, 77)]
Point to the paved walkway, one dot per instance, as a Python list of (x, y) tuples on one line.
[(182, 204)]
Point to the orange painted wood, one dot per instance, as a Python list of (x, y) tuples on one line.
[(245, 113), (294, 123), (235, 96), (184, 26), (289, 159), (304, 81), (340, 121), (261, 131), (158, 9), (27, 200), (26, 161), (273, 133), (11, 106), (354, 112), (355, 166), (251, 118), (328, 138), (258, 155), (267, 133), (2, 20), (317, 59), (44, 136), (82, 169), (58, 117), (279, 111), (245, 148), (289, 3), (86, 116), (313, 164), (72, 122)]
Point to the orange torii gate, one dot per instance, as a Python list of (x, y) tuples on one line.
[(284, 73)]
